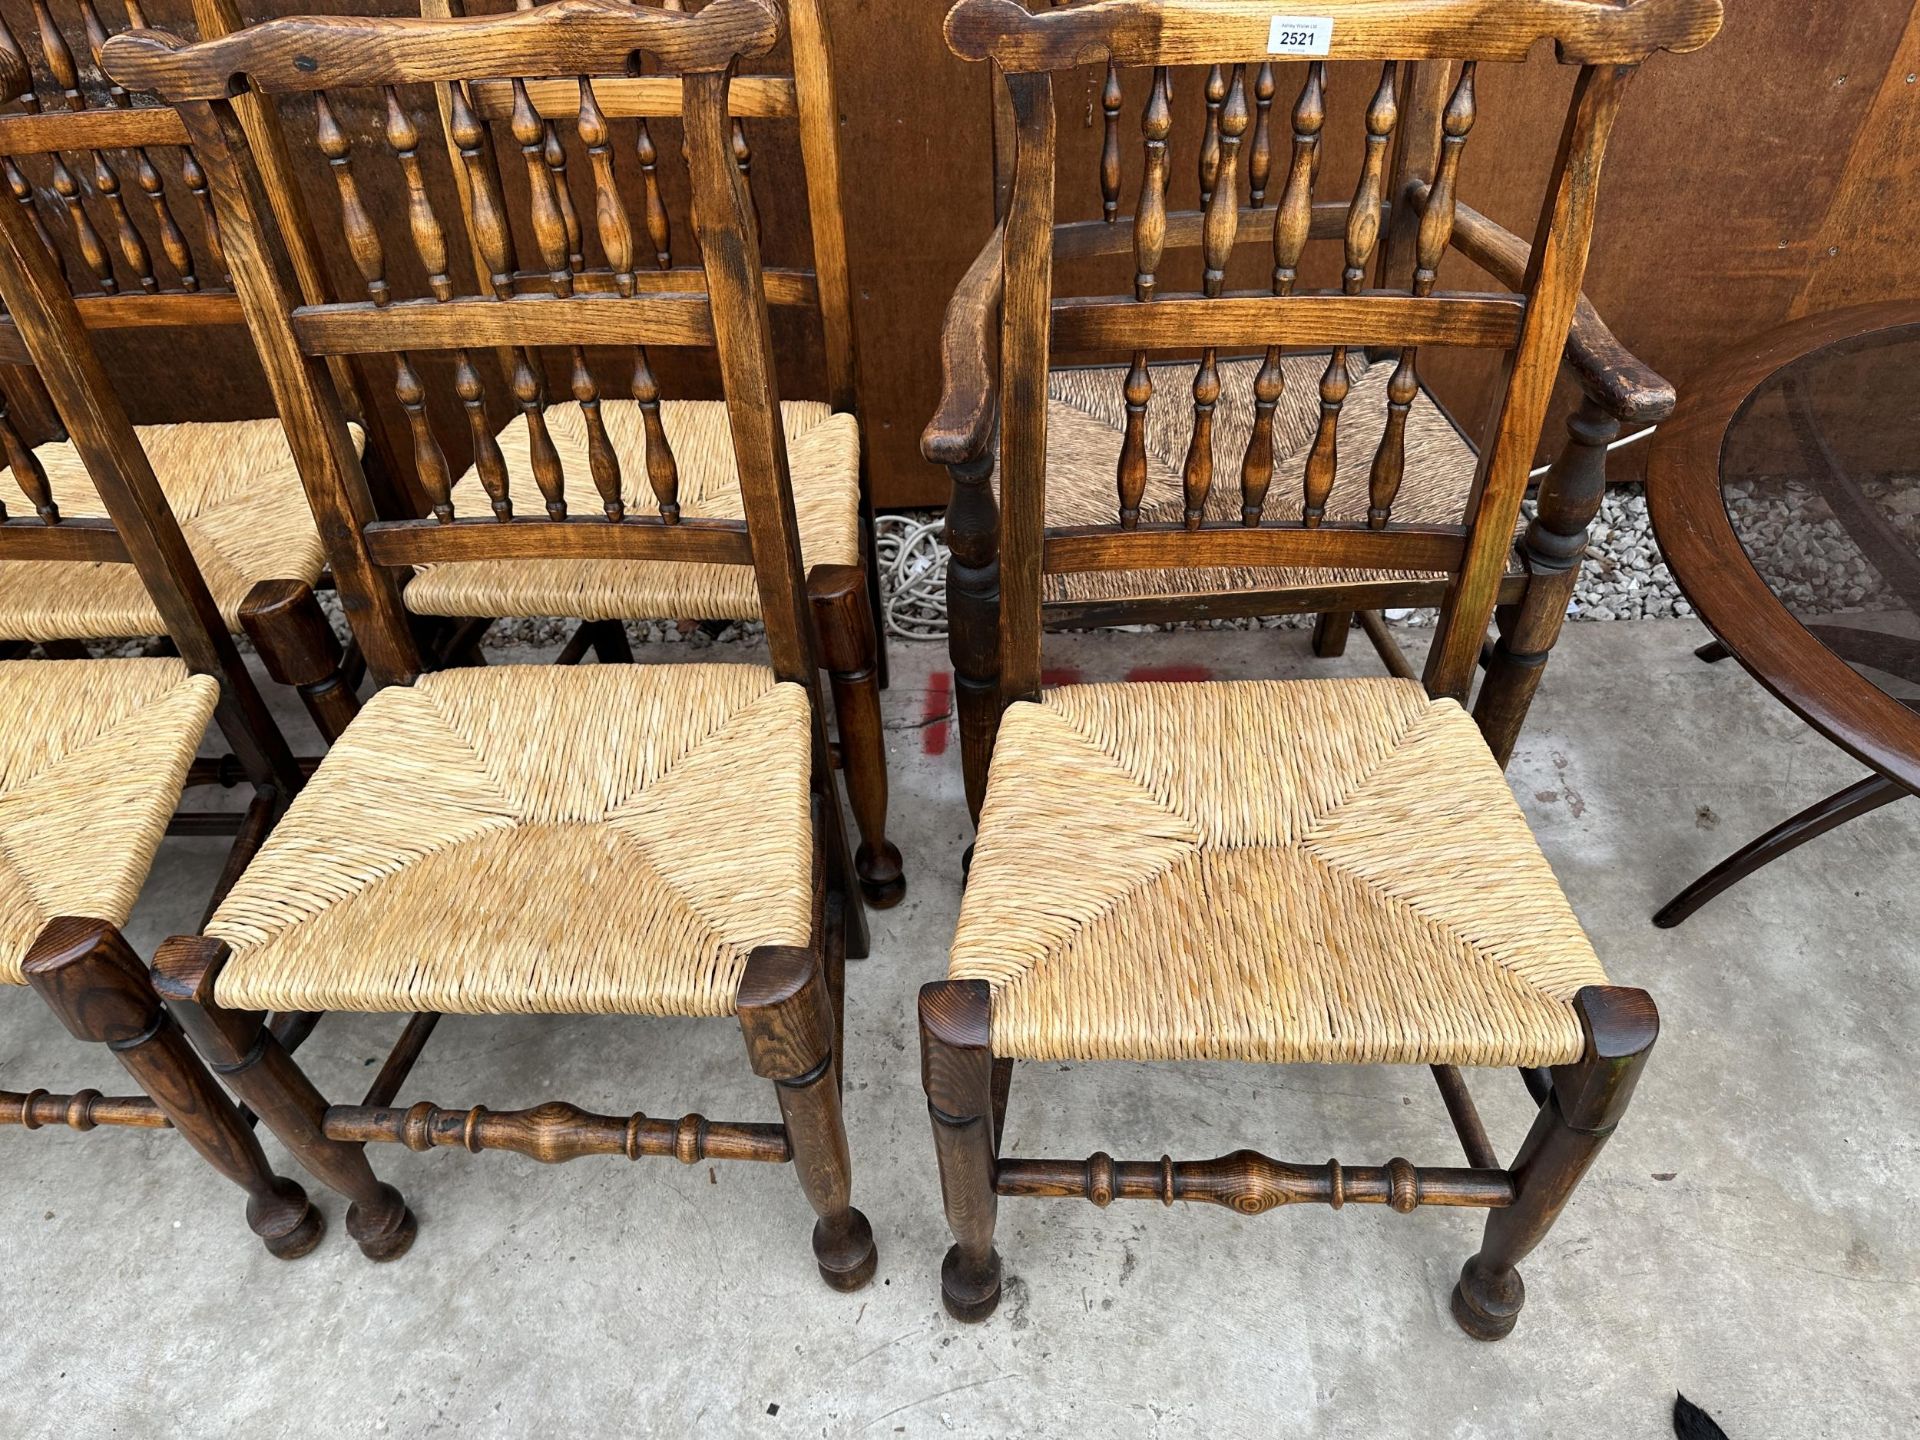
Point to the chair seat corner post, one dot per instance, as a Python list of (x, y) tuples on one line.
[(91, 979), (296, 643), (957, 1068), (848, 648), (1577, 1117), (256, 1066), (1552, 548), (972, 533), (786, 1013)]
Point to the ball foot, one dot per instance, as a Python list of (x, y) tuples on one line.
[(847, 1261), (969, 1298), (1487, 1306), (294, 1227), (881, 879), (389, 1238)]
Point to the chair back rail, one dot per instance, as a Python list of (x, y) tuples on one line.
[(1257, 185), (720, 305)]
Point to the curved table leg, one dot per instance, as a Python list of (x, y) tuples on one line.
[(1858, 799)]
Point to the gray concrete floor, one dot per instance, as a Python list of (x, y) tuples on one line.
[(1750, 1237)]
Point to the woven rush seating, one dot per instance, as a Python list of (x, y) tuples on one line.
[(823, 453), (232, 486), (1327, 871), (609, 839), (91, 763), (1086, 420)]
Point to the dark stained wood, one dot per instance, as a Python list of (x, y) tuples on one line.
[(1429, 547), (957, 1071), (557, 1132), (844, 632), (1306, 320), (1251, 1183), (1690, 521), (91, 979), (297, 645), (529, 320)]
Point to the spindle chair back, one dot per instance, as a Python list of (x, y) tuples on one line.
[(1329, 871), (750, 917), (95, 753)]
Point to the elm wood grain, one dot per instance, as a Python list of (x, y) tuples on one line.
[(257, 1067), (957, 1072), (626, 97), (1713, 570), (371, 329), (302, 54), (1357, 596), (1278, 543), (1863, 797), (89, 130), (91, 979), (1305, 320), (1190, 32), (963, 427), (557, 1132), (848, 649), (1587, 1101), (296, 643), (79, 538), (1250, 1183)]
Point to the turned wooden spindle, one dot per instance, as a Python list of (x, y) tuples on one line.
[(1217, 236), (541, 451), (609, 210), (743, 162), (85, 238), (662, 473), (557, 1132), (106, 180), (603, 463), (196, 182), (549, 224), (28, 473), (1363, 232), (1149, 242), (363, 240), (1216, 96), (1436, 229), (488, 463), (1292, 222), (428, 458), (423, 224), (488, 216), (1110, 98), (659, 230), (1252, 1184), (173, 242), (1260, 148), (554, 154)]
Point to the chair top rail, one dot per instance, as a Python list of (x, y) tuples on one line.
[(572, 37), (1186, 32)]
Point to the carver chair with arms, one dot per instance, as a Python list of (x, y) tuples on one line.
[(660, 839), (1120, 437), (1284, 872)]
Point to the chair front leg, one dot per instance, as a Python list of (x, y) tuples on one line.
[(257, 1067), (1575, 1120), (786, 1012), (1330, 630), (966, 1097), (973, 619), (297, 645), (90, 978), (843, 620)]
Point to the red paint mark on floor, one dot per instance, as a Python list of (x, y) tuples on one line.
[(1180, 674), (935, 714), (1064, 675)]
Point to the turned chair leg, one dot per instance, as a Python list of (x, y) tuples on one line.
[(966, 1096), (786, 1013), (90, 978), (1330, 633), (256, 1067), (298, 647), (843, 618), (1576, 1118), (610, 643)]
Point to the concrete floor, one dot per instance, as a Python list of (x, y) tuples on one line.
[(1749, 1238)]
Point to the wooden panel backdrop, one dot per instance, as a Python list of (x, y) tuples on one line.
[(1760, 179)]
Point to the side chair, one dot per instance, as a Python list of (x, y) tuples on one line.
[(655, 839), (1285, 872), (1121, 434), (674, 453), (94, 755)]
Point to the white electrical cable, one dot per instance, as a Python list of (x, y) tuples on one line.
[(913, 576)]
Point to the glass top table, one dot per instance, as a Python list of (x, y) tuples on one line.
[(1785, 496)]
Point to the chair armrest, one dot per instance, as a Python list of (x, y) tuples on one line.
[(1612, 376), (962, 428)]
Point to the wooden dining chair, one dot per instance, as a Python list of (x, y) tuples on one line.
[(140, 256), (1122, 433), (1327, 871), (94, 754), (658, 839), (674, 452)]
